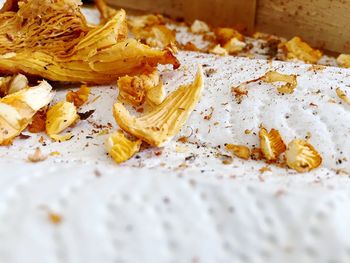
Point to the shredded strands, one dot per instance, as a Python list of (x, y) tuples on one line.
[(302, 156), (37, 156), (239, 151), (274, 76), (121, 148), (60, 117), (163, 122), (271, 144), (79, 97), (135, 90), (343, 96), (17, 109), (52, 40), (298, 49)]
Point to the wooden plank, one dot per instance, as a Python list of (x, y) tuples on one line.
[(215, 12), (322, 23)]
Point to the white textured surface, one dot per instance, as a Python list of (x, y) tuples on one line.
[(151, 210)]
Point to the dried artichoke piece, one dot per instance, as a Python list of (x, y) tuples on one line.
[(302, 156), (79, 53), (164, 121), (274, 76), (60, 116), (120, 147), (17, 109), (271, 144), (343, 96), (296, 48), (240, 151), (343, 60), (137, 89)]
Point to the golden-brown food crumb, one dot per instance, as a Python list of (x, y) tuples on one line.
[(37, 156), (240, 151), (271, 144), (79, 97)]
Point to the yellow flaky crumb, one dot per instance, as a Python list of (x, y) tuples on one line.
[(343, 60), (79, 97), (271, 144), (296, 48), (240, 151)]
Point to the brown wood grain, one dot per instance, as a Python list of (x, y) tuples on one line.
[(216, 12), (322, 23)]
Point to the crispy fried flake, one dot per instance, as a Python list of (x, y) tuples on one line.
[(137, 22), (271, 144), (53, 40), (296, 48), (225, 34), (78, 97), (240, 151), (163, 122), (120, 147), (302, 156), (218, 50), (60, 117), (343, 60), (159, 36), (199, 27), (274, 76), (17, 109), (12, 84), (37, 156), (234, 46), (38, 123), (343, 96), (137, 89)]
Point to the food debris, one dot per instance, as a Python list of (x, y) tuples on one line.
[(60, 117), (120, 148), (79, 97), (296, 48), (302, 156), (199, 27), (37, 156), (234, 46), (55, 218), (343, 96), (164, 121), (85, 115), (343, 60), (271, 144), (274, 76), (17, 109), (239, 93), (240, 151), (61, 137), (218, 50), (225, 34), (264, 169), (38, 123)]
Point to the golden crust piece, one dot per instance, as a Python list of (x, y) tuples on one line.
[(302, 156), (163, 122), (60, 116), (56, 43), (240, 151), (17, 109), (343, 60), (296, 48), (271, 144), (121, 148), (274, 76), (137, 89)]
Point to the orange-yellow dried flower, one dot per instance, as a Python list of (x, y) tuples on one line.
[(120, 148), (274, 76), (164, 121), (343, 60), (17, 109), (240, 151), (78, 97), (302, 156), (60, 117), (271, 144), (52, 39), (296, 48)]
